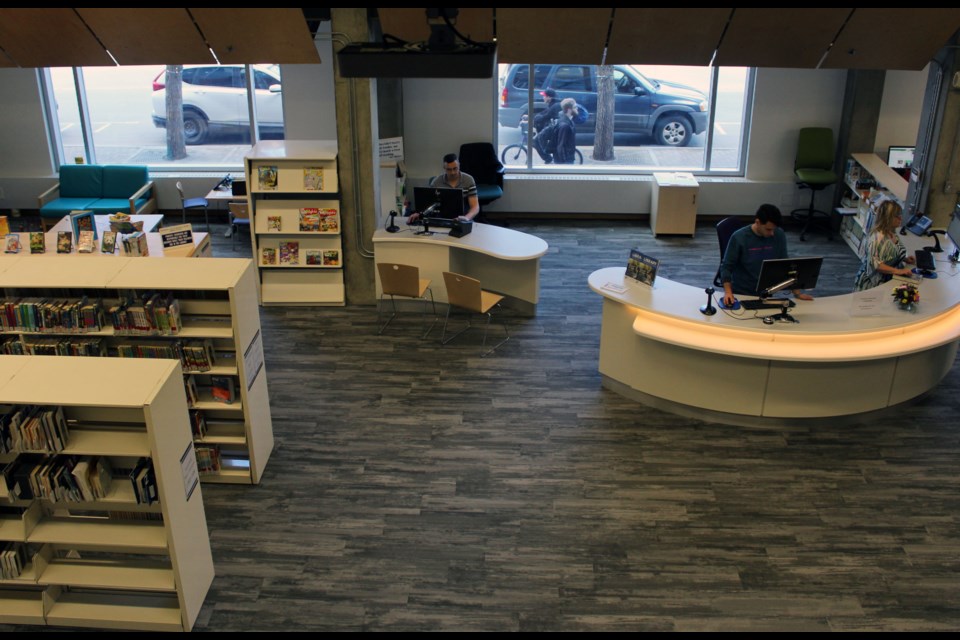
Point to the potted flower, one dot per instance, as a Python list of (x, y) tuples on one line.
[(906, 296)]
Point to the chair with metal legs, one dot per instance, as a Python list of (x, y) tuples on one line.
[(403, 280), (465, 292), (193, 203)]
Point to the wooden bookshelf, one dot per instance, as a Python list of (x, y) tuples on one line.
[(279, 193), (218, 302), (856, 204), (89, 564)]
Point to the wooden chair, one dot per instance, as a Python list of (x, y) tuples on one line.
[(239, 217), (403, 280), (465, 292)]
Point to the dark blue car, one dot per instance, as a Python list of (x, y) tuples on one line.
[(671, 113)]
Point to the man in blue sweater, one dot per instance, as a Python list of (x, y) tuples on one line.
[(746, 251)]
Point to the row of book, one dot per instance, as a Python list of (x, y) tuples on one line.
[(267, 178), (208, 459), (289, 253), (13, 559), (67, 478), (222, 388), (311, 219), (33, 428), (194, 355), (64, 346), (44, 314), (151, 314)]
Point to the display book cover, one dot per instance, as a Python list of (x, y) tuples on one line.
[(641, 267), (83, 221)]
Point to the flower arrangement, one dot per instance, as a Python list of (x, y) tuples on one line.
[(905, 296)]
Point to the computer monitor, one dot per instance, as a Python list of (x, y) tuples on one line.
[(450, 201), (900, 159), (793, 273), (239, 187), (787, 273)]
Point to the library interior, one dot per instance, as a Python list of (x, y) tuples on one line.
[(308, 325)]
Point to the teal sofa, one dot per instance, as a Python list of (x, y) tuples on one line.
[(103, 189)]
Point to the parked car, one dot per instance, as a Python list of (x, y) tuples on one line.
[(215, 100), (671, 113)]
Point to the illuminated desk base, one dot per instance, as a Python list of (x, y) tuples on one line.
[(733, 389)]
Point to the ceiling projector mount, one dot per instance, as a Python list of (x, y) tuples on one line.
[(447, 54)]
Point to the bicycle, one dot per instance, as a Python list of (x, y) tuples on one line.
[(517, 153)]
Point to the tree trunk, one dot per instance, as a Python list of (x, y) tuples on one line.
[(176, 145), (603, 135)]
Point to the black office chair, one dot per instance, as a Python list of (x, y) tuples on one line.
[(725, 229), (813, 167), (479, 159)]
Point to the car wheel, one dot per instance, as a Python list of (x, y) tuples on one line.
[(195, 128), (673, 131)]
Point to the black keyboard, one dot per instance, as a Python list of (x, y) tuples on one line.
[(770, 303)]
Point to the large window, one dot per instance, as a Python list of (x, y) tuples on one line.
[(118, 115), (639, 118)]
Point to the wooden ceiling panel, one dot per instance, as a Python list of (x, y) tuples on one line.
[(49, 38), (892, 38), (173, 38), (5, 60), (779, 37), (552, 36), (666, 36), (249, 36), (410, 25)]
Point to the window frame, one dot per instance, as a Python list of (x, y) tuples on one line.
[(245, 78), (706, 169)]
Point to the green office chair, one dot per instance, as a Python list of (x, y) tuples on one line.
[(813, 167)]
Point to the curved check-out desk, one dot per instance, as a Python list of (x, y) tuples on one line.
[(657, 347), (503, 260)]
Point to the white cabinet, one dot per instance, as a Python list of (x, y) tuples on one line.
[(111, 562), (673, 207), (295, 221)]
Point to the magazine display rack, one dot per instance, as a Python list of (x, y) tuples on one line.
[(218, 313), (867, 180), (294, 206), (110, 562)]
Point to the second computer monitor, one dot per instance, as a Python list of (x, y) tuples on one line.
[(792, 273), (451, 201)]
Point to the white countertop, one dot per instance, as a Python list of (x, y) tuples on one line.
[(505, 244)]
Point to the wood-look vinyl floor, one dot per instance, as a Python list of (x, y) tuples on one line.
[(420, 488)]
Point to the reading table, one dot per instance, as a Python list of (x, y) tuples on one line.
[(503, 260)]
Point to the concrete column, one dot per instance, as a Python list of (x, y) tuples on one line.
[(858, 121), (937, 159), (359, 170)]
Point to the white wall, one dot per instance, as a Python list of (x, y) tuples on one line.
[(25, 166), (309, 107)]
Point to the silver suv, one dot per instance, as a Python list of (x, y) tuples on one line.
[(215, 100)]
